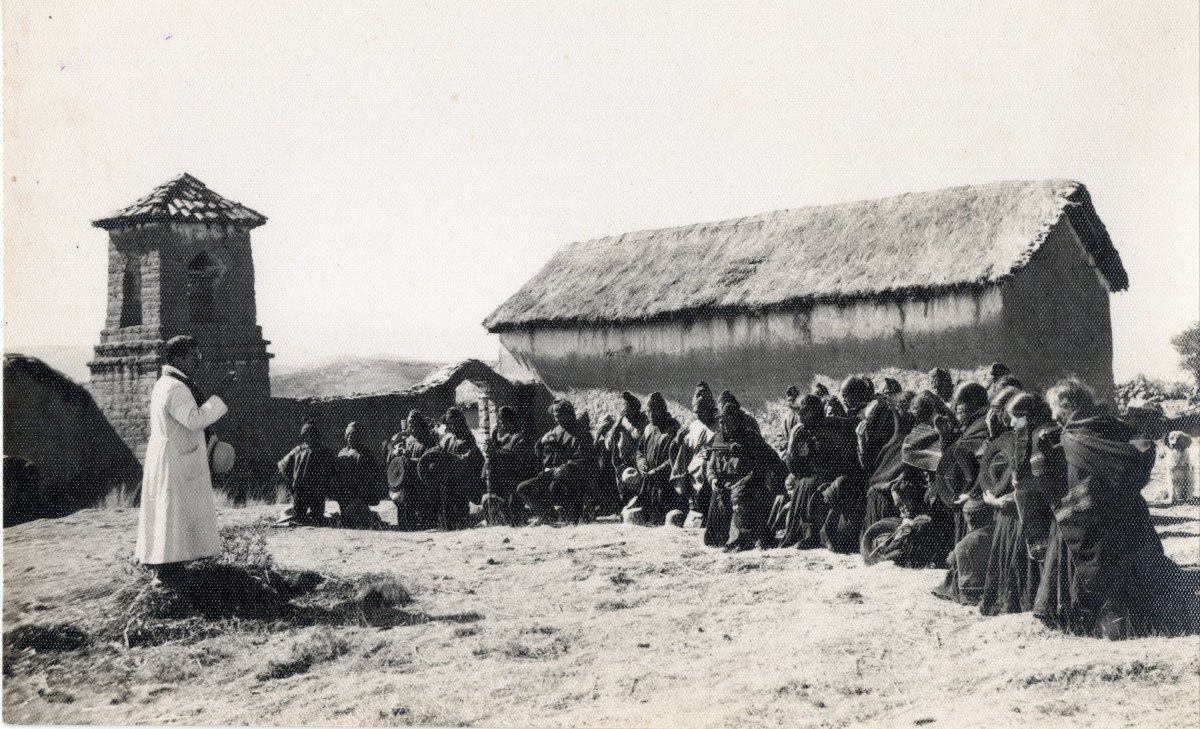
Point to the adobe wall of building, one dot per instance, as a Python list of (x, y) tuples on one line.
[(1056, 317), (54, 423), (758, 356)]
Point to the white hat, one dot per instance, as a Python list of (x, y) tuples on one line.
[(631, 477), (221, 455)]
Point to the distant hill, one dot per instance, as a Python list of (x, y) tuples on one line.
[(69, 359), (349, 375), (336, 376)]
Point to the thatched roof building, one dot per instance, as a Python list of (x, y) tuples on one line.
[(851, 269)]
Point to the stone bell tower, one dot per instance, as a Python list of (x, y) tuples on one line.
[(179, 262)]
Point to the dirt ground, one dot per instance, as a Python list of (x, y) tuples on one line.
[(605, 625)]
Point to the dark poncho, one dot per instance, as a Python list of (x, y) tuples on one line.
[(570, 454), (358, 483), (510, 460), (881, 446), (923, 454), (828, 499), (959, 468), (1105, 572), (1012, 577), (467, 474)]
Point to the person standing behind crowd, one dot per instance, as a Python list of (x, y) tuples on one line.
[(510, 460), (583, 510), (857, 392), (607, 495), (833, 406), (566, 454), (791, 419), (655, 458), (177, 521), (308, 470)]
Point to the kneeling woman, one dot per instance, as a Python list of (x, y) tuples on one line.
[(1105, 573), (1012, 574)]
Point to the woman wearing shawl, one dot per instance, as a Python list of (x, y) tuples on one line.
[(922, 453), (881, 435), (828, 494), (1105, 573), (958, 470), (1012, 577), (654, 460), (739, 465)]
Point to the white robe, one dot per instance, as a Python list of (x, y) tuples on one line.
[(178, 521)]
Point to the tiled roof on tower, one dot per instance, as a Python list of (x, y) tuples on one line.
[(183, 199)]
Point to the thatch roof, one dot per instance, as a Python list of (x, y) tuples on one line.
[(183, 199), (909, 245)]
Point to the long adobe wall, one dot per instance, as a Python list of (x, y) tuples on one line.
[(758, 356)]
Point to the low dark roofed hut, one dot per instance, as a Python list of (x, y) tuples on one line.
[(1018, 272)]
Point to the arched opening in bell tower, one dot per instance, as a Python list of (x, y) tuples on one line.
[(202, 275), (131, 293)]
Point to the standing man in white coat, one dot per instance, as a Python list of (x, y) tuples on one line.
[(178, 521)]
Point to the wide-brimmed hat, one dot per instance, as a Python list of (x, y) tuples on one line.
[(631, 477)]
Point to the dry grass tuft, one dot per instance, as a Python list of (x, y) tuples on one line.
[(320, 646), (524, 651), (1152, 672)]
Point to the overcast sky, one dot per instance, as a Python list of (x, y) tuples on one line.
[(419, 162)]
